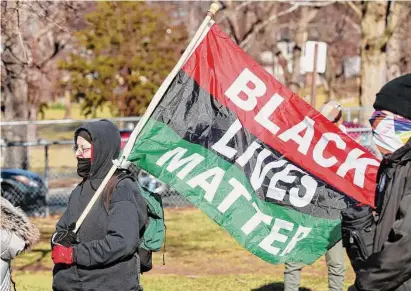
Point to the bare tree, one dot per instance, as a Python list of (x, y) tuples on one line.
[(334, 25), (406, 59), (349, 29), (34, 33), (246, 21), (246, 28), (195, 12), (306, 14), (397, 52), (378, 21)]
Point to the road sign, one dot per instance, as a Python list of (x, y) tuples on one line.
[(307, 60)]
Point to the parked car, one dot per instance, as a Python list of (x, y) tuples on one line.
[(124, 134), (152, 184), (24, 189)]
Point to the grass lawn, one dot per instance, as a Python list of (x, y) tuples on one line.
[(199, 256)]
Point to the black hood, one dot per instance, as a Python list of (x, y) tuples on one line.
[(106, 146)]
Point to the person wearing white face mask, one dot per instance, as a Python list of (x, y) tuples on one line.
[(390, 131), (386, 264)]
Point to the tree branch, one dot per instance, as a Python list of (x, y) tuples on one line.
[(354, 8), (312, 4), (237, 9), (311, 15), (394, 15), (257, 28), (58, 47), (42, 12), (8, 48), (356, 27), (19, 34), (251, 30), (232, 28), (242, 5), (56, 24)]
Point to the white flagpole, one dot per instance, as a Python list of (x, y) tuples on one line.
[(153, 104)]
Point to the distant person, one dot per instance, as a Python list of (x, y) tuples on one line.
[(334, 257), (333, 111), (17, 235), (102, 255)]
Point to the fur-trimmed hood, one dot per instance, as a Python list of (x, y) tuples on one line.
[(15, 220)]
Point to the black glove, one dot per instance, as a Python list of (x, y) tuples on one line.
[(65, 237)]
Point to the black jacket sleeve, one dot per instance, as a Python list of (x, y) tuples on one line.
[(390, 268), (122, 238), (64, 222)]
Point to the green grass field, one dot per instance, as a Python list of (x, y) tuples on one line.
[(199, 256)]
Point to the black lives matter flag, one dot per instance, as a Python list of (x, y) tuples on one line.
[(253, 156)]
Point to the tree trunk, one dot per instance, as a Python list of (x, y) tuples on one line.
[(195, 16), (376, 31), (67, 104), (394, 55), (16, 109), (31, 128), (329, 79), (16, 97), (407, 58), (373, 77)]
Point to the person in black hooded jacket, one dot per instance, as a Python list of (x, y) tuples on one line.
[(388, 267), (102, 254)]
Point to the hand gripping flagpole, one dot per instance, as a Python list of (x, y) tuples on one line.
[(122, 161)]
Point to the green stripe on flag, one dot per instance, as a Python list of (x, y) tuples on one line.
[(275, 240)]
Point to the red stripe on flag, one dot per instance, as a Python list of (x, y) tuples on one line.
[(218, 62)]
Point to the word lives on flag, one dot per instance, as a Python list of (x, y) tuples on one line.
[(252, 155)]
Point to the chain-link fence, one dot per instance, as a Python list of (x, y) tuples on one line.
[(40, 174), (353, 114), (45, 188), (51, 169)]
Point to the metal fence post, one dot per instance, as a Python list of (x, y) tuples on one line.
[(46, 175)]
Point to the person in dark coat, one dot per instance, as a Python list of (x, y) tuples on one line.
[(102, 254), (389, 265)]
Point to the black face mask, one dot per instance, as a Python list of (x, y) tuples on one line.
[(83, 167)]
